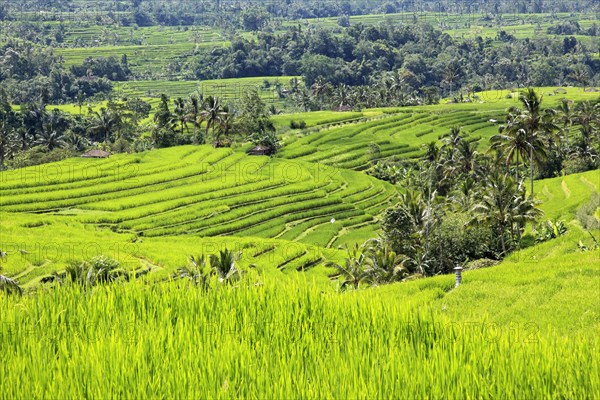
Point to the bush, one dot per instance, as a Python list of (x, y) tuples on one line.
[(453, 243), (297, 125), (121, 146), (576, 165), (481, 263), (38, 155), (550, 230)]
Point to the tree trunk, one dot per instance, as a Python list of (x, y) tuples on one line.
[(517, 169), (531, 169), (531, 177), (502, 241)]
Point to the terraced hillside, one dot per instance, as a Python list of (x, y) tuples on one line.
[(204, 192), (199, 192), (401, 132), (226, 89), (398, 133)]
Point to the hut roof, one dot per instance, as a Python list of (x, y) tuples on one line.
[(96, 154), (260, 150)]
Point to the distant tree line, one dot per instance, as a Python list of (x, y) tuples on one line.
[(420, 55), (253, 15), (27, 70)]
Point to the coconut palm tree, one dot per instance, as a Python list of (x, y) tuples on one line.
[(180, 113), (385, 264), (7, 138), (587, 114), (193, 115), (356, 269), (341, 95), (51, 139), (225, 124), (503, 204), (565, 119), (223, 266), (320, 89), (104, 123), (211, 110), (512, 144), (525, 132), (34, 117), (467, 159)]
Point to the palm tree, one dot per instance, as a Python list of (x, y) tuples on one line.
[(194, 114), (385, 264), (23, 138), (355, 270), (6, 142), (321, 88), (225, 124), (587, 114), (502, 203), (512, 144), (432, 152), (196, 271), (452, 140), (104, 123), (75, 141), (223, 265), (580, 75), (341, 95), (565, 118), (51, 139), (180, 113), (524, 132), (34, 117), (467, 160), (211, 109)]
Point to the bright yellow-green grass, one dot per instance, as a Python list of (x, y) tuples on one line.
[(527, 328), (280, 340)]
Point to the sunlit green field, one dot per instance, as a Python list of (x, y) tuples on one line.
[(143, 59), (526, 328)]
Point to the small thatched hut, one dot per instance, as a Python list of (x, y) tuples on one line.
[(96, 154)]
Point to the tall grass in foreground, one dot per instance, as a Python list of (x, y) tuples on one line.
[(273, 341)]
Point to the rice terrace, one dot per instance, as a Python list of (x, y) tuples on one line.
[(299, 199)]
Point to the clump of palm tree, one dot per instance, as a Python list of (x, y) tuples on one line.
[(201, 269), (504, 205), (372, 263), (196, 271), (98, 270)]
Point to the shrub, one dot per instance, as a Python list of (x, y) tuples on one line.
[(550, 230), (452, 242), (297, 124)]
